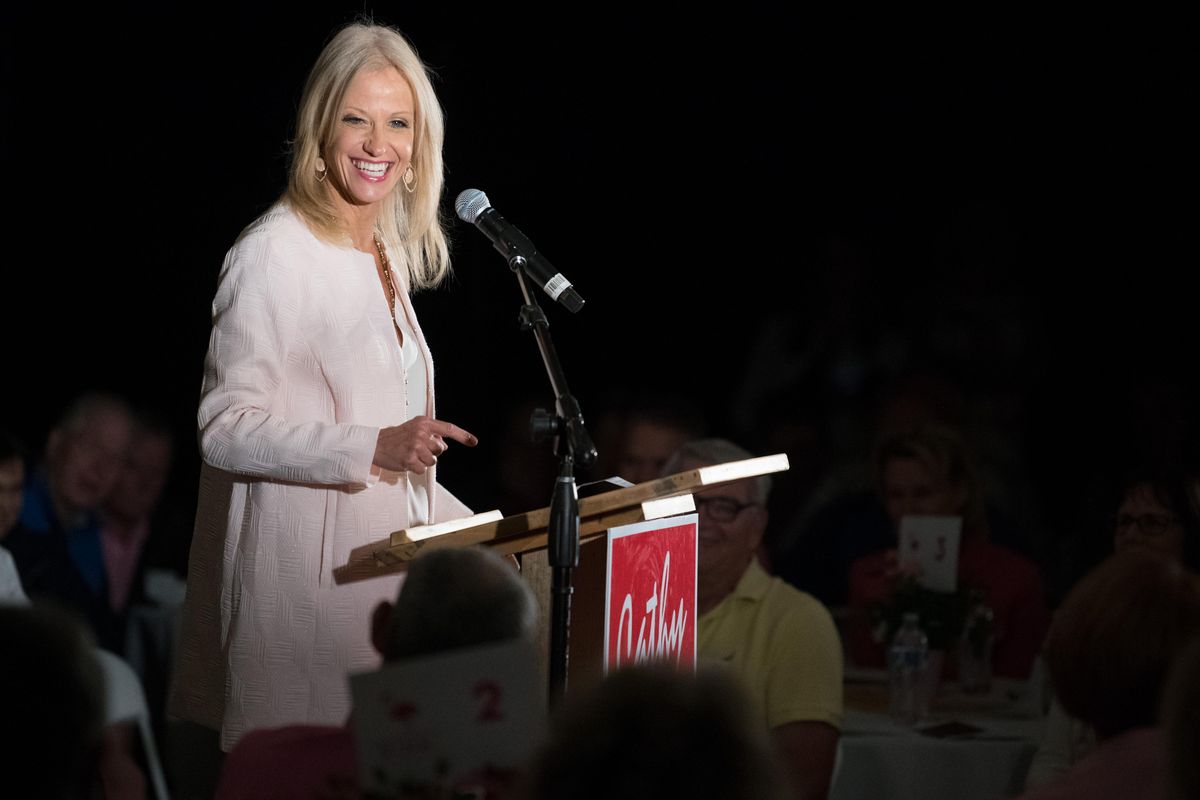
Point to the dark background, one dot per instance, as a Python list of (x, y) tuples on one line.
[(1002, 202)]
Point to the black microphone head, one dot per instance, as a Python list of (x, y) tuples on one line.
[(470, 204), (573, 302)]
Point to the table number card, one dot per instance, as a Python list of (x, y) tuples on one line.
[(458, 723), (930, 545)]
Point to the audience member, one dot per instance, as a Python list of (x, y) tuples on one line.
[(1181, 724), (450, 598), (844, 518), (12, 483), (649, 732), (58, 549), (636, 438), (54, 705), (129, 525), (1156, 514), (1109, 651), (779, 642), (928, 472), (67, 743), (128, 508)]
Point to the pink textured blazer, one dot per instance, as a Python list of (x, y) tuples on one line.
[(303, 369)]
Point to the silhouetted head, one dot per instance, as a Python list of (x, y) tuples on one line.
[(451, 598), (54, 703), (1115, 636), (650, 732)]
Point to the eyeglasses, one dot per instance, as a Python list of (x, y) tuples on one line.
[(1149, 524), (721, 509)]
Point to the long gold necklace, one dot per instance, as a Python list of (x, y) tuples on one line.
[(387, 278)]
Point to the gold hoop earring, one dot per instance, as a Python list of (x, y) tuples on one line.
[(322, 170), (409, 178)]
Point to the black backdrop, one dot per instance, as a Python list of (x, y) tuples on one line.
[(1022, 180)]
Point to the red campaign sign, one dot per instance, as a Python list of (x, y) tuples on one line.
[(650, 597)]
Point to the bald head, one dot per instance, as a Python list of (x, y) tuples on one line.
[(455, 597)]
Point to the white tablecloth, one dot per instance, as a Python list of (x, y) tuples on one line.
[(884, 760)]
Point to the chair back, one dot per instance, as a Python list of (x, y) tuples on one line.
[(125, 701)]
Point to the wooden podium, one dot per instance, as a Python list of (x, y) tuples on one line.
[(525, 535)]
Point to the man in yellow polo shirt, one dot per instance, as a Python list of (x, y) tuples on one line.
[(780, 642)]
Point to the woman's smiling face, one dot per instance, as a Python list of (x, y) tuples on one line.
[(373, 142)]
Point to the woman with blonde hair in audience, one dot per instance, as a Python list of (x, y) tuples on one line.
[(928, 472)]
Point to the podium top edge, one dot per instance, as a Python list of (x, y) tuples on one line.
[(747, 468), (492, 526)]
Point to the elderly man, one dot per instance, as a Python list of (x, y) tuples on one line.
[(780, 642), (451, 598), (57, 547)]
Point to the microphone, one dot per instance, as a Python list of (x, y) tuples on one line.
[(473, 206)]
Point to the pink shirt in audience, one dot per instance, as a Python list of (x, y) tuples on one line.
[(122, 548)]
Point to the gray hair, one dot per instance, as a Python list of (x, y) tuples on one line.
[(706, 452), (457, 597)]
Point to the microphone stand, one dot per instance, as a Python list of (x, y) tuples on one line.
[(572, 445)]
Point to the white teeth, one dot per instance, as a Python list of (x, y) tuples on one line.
[(374, 170)]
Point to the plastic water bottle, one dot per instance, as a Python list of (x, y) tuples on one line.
[(908, 663)]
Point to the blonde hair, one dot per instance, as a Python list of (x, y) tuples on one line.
[(409, 223), (944, 454)]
